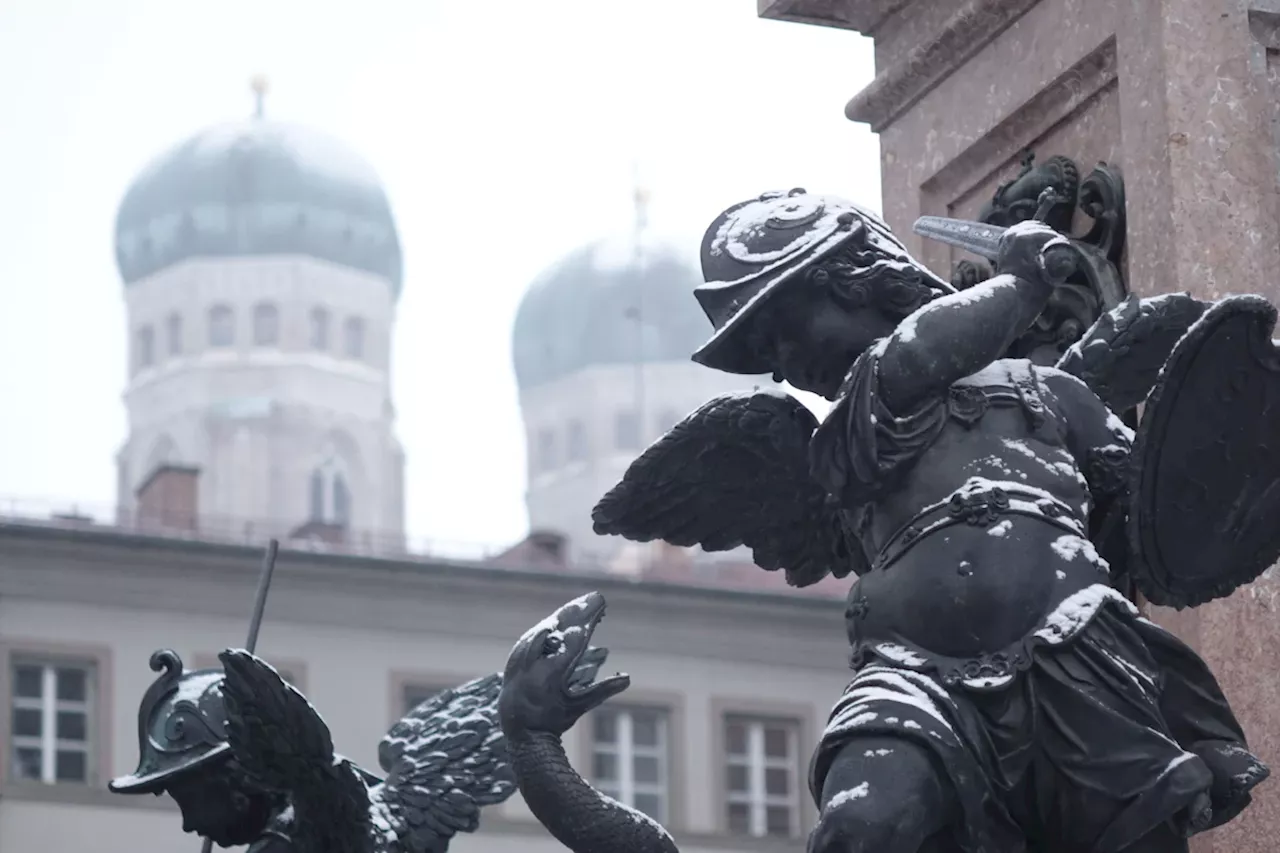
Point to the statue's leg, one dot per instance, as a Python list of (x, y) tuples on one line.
[(1201, 721), (883, 795)]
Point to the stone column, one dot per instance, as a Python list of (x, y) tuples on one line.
[(1181, 95)]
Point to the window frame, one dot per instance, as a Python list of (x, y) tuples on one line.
[(97, 707), (798, 721), (624, 750)]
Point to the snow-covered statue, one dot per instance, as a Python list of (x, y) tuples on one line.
[(1007, 695)]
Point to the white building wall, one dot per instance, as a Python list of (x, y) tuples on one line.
[(257, 420)]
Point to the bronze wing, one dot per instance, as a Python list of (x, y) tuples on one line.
[(1121, 355), (736, 472), (280, 740), (1204, 516)]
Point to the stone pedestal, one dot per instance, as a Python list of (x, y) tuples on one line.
[(1182, 96)]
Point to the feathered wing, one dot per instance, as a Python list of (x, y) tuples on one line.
[(736, 472), (1121, 355), (444, 761), (280, 740)]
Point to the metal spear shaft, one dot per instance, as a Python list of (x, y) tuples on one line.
[(255, 622)]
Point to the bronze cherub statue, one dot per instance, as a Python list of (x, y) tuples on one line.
[(1008, 695)]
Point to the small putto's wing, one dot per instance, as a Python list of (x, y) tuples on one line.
[(1121, 355), (280, 740), (736, 472), (444, 760)]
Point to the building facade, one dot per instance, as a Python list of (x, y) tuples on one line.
[(712, 738)]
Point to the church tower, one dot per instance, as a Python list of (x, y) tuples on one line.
[(602, 344), (261, 269)]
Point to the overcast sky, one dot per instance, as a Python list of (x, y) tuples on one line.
[(504, 131)]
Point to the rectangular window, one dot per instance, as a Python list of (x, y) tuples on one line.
[(50, 741), (629, 757), (761, 784)]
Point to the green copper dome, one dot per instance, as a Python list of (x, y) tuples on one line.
[(257, 187), (611, 302)]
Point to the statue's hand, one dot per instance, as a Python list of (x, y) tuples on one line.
[(1034, 252)]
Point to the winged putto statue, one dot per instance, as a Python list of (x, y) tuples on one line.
[(996, 513), (251, 762)]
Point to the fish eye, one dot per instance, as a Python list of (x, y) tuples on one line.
[(552, 644)]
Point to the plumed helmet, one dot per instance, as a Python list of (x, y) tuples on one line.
[(182, 724), (755, 247)]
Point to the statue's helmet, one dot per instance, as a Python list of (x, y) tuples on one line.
[(182, 725), (757, 247)]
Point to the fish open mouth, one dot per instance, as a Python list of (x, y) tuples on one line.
[(590, 612)]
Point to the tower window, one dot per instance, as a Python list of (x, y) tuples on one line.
[(329, 497), (173, 330), (626, 431), (319, 329), (266, 325), (577, 442), (146, 347), (353, 338), (222, 330)]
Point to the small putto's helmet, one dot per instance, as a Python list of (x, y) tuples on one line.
[(752, 249), (182, 725)]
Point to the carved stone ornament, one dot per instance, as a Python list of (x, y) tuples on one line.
[(1097, 286)]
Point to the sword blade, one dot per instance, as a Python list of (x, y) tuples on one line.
[(976, 237)]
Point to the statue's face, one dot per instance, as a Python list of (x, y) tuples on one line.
[(811, 339), (217, 807)]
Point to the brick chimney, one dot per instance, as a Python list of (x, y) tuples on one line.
[(169, 498)]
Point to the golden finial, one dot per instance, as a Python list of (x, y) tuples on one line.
[(260, 87)]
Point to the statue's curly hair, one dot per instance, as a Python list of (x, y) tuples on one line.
[(862, 275)]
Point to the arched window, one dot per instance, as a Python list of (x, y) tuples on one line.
[(146, 343), (329, 498), (222, 329), (353, 338), (319, 329), (173, 331), (266, 325)]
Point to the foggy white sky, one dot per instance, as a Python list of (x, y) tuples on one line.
[(504, 131)]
